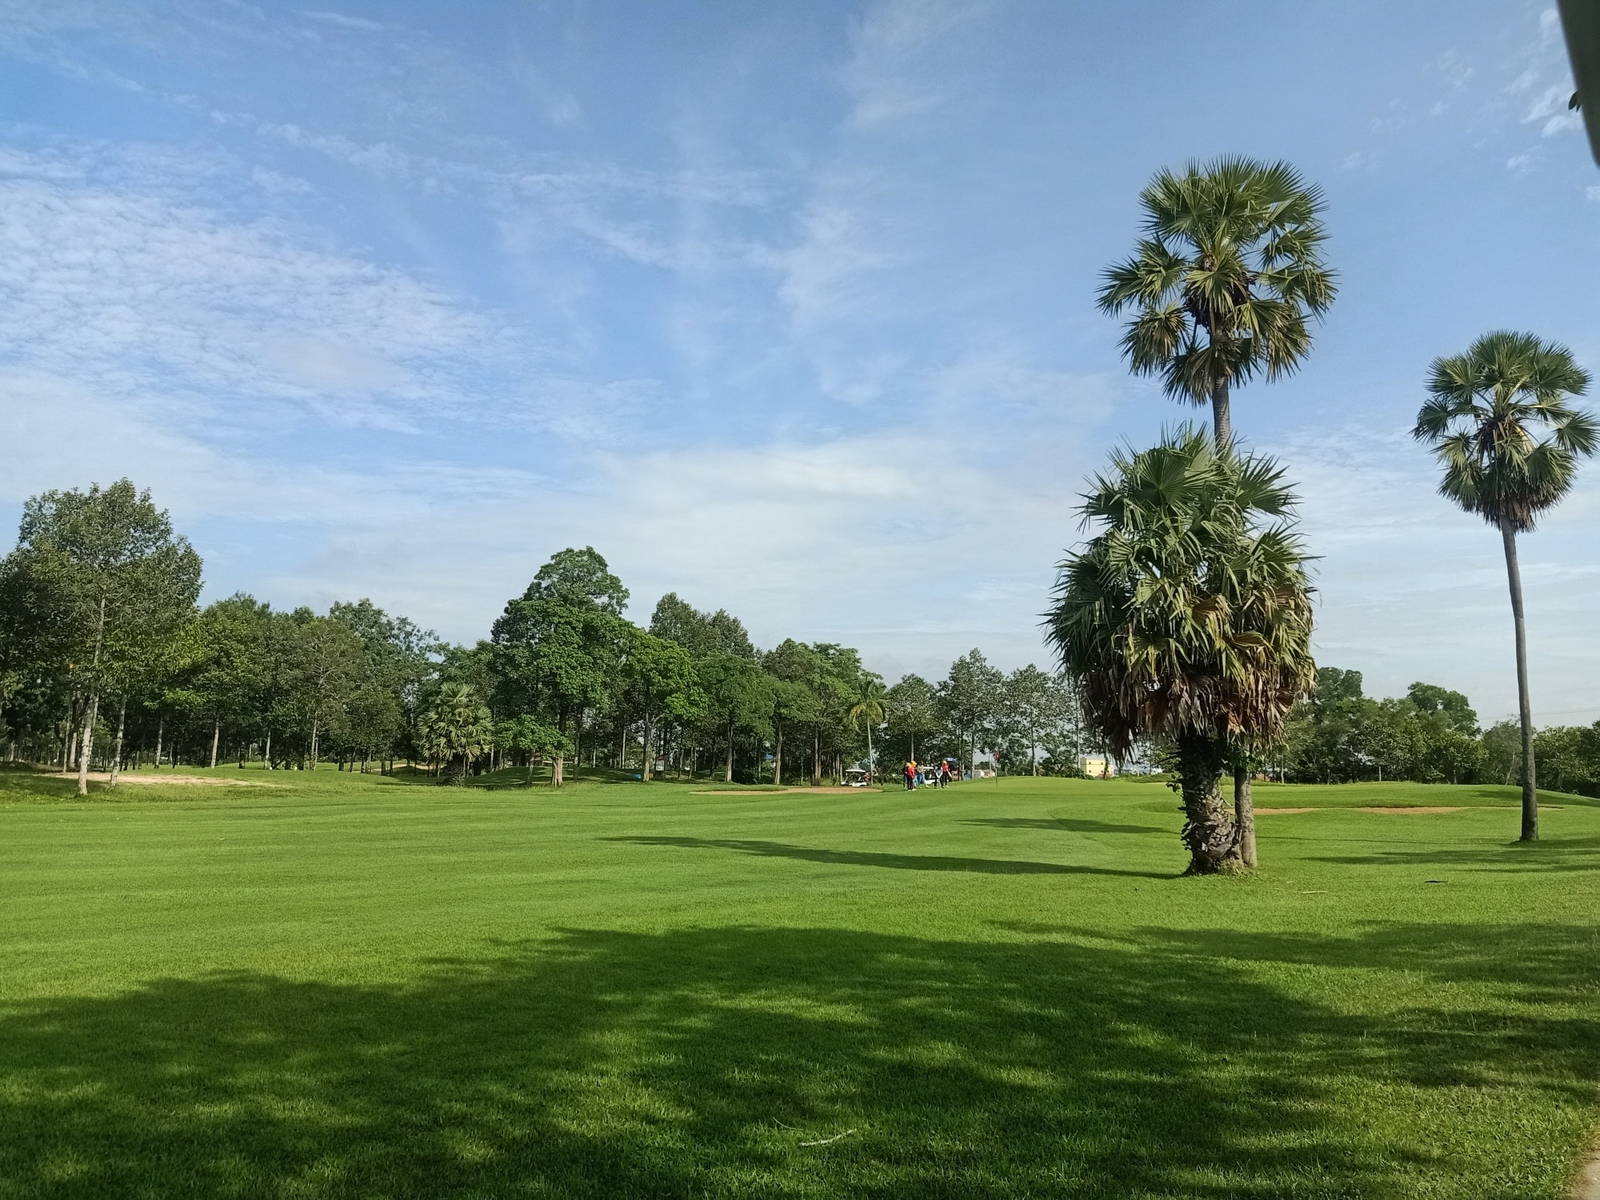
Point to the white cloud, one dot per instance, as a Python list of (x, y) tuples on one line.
[(886, 43), (360, 24), (1592, 193), (119, 284), (1523, 162)]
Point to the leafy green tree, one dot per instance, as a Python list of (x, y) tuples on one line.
[(579, 579), (558, 648), (794, 705), (970, 699), (660, 683), (1500, 420), (526, 735), (1038, 718), (1188, 616), (913, 711), (737, 696), (1502, 751), (322, 669), (116, 579), (456, 729), (222, 679), (680, 622)]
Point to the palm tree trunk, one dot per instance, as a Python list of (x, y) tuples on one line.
[(1530, 791), (1208, 827), (1244, 813), (1221, 415)]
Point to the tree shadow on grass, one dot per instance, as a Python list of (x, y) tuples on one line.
[(899, 862), (701, 1063), (1068, 824), (25, 786), (1547, 854)]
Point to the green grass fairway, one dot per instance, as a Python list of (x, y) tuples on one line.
[(361, 987)]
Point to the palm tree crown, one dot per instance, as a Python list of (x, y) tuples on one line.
[(1233, 248), (1189, 614), (1503, 429)]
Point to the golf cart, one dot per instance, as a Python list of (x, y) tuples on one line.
[(856, 777)]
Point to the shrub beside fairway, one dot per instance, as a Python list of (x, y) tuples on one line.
[(346, 985)]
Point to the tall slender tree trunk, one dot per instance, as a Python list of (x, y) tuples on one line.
[(870, 772), (1208, 827), (86, 745), (1244, 812), (727, 773), (161, 728), (316, 728), (816, 759), (94, 703), (646, 764), (1530, 789), (116, 753), (777, 758), (266, 754), (216, 736)]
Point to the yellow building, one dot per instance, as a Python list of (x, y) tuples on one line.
[(1097, 766)]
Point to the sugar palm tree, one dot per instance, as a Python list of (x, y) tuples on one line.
[(870, 709), (456, 728), (1225, 281), (1501, 422), (1188, 617), (1223, 287)]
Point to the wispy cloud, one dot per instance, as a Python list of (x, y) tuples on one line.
[(882, 75)]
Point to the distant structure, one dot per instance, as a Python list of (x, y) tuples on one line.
[(1097, 766)]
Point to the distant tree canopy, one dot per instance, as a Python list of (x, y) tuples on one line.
[(563, 674)]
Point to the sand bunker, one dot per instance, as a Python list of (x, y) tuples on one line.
[(179, 780), (1273, 812)]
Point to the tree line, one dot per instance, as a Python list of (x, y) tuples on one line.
[(1338, 734), (107, 660)]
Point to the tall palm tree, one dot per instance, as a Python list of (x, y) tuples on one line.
[(870, 709), (1188, 617), (1502, 426), (1232, 250)]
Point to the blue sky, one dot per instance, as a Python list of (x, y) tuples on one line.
[(788, 307)]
